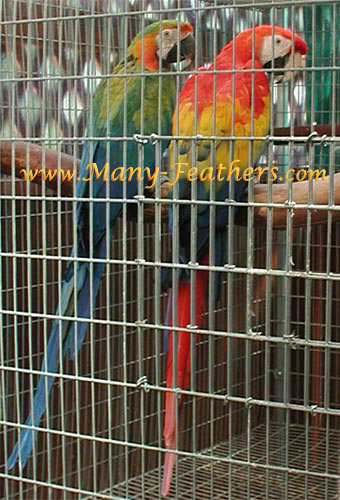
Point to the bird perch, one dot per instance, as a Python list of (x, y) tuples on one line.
[(38, 158)]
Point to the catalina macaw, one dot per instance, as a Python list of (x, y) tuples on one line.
[(153, 49), (273, 47)]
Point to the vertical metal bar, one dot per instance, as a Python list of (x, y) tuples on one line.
[(29, 240), (250, 264), (61, 26), (109, 296), (329, 283), (124, 267), (231, 251), (3, 391), (140, 257), (288, 267), (269, 281), (175, 260), (91, 269), (212, 274), (308, 283), (193, 263), (12, 61), (279, 367), (44, 251), (75, 267), (157, 285), (157, 255), (3, 358)]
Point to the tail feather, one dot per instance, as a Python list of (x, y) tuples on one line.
[(51, 361), (39, 402), (84, 309), (168, 321), (183, 366)]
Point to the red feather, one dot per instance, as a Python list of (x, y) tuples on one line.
[(183, 364)]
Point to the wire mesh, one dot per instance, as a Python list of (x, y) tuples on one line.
[(262, 413)]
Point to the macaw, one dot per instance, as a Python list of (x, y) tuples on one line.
[(261, 48), (153, 49)]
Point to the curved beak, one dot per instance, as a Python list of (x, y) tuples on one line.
[(297, 61), (186, 50), (286, 63)]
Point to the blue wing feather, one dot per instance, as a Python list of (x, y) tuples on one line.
[(80, 291)]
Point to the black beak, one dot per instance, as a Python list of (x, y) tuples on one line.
[(187, 50), (279, 62)]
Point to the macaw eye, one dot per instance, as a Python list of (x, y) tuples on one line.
[(278, 41), (166, 33)]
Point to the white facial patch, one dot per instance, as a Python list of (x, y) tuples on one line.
[(274, 47), (278, 47), (167, 39)]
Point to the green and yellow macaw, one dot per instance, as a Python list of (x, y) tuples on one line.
[(151, 50)]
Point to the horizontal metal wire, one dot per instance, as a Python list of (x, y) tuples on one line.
[(147, 387), (216, 7), (122, 75), (141, 199), (155, 137), (59, 487), (227, 268), (255, 335), (180, 453)]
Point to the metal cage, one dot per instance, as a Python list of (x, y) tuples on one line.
[(262, 415)]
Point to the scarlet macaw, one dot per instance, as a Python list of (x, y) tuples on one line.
[(111, 111), (260, 49)]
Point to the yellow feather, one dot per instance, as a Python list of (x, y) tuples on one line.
[(223, 128)]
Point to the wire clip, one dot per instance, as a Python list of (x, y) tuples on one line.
[(142, 383), (229, 266), (324, 140), (141, 322), (193, 264), (313, 408), (229, 201), (178, 392), (154, 138), (291, 339), (198, 139), (254, 333), (248, 402), (140, 139), (192, 327), (311, 137)]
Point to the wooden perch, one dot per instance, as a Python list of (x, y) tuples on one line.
[(38, 158), (299, 196), (305, 130), (34, 157)]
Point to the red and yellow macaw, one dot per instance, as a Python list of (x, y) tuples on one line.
[(262, 48)]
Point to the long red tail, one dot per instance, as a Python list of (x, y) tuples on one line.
[(183, 365)]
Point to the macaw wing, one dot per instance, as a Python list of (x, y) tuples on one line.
[(110, 111), (222, 121), (212, 120)]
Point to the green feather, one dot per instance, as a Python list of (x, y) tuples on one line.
[(110, 98)]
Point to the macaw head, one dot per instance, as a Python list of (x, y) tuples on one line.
[(275, 47), (159, 41)]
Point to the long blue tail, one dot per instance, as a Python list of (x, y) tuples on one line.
[(51, 362)]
